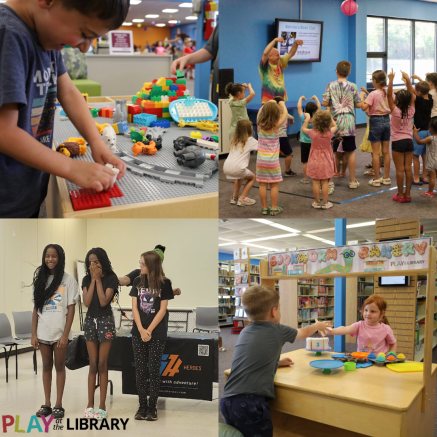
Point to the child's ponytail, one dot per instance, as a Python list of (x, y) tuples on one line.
[(233, 89), (385, 321), (380, 79)]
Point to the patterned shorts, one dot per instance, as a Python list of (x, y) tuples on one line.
[(99, 328)]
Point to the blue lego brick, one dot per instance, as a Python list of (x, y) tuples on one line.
[(174, 88), (122, 127), (144, 119), (163, 123), (64, 114)]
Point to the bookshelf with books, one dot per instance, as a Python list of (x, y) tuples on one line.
[(226, 292), (365, 289)]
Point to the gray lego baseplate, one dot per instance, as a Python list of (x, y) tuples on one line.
[(147, 174)]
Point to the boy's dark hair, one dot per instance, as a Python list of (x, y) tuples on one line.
[(344, 68), (432, 77), (233, 89), (402, 101), (422, 87), (311, 108), (258, 301), (433, 126), (113, 12), (278, 99)]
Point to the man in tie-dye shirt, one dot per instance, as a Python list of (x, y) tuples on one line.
[(271, 70)]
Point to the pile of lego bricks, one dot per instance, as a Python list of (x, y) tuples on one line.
[(87, 198), (155, 98)]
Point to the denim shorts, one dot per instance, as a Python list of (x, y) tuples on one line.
[(420, 149), (379, 128)]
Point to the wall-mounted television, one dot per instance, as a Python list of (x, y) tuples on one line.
[(394, 281), (310, 32)]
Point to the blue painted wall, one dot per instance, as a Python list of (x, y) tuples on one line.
[(243, 37)]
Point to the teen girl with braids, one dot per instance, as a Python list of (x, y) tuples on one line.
[(54, 294), (150, 293), (100, 285)]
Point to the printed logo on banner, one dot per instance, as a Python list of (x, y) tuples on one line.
[(203, 350), (170, 365)]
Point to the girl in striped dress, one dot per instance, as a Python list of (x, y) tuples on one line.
[(268, 170)]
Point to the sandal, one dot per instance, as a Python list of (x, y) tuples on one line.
[(222, 349), (305, 181), (368, 166), (407, 199), (58, 412), (265, 211), (234, 200), (317, 205), (89, 413), (337, 175), (370, 173), (327, 205), (375, 182), (276, 211), (396, 198), (100, 414), (417, 183), (386, 181), (45, 411), (427, 193)]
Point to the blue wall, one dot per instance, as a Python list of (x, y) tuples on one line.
[(243, 37)]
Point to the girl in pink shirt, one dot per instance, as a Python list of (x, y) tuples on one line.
[(373, 333), (402, 146)]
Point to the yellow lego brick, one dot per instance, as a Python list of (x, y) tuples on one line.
[(115, 127), (147, 92), (166, 115), (161, 82), (165, 104), (129, 118), (159, 104), (165, 88), (138, 94), (147, 85)]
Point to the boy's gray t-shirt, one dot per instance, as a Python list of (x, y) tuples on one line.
[(256, 359), (28, 77)]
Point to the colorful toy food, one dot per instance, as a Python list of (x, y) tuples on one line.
[(390, 358), (401, 357), (317, 344), (380, 361), (397, 249), (273, 261), (149, 149), (371, 356), (363, 252), (421, 247), (280, 260), (287, 260)]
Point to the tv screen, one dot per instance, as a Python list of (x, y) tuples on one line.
[(393, 281), (310, 32)]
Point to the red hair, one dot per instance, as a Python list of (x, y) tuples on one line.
[(380, 302)]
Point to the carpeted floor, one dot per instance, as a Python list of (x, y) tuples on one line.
[(296, 198), (230, 340)]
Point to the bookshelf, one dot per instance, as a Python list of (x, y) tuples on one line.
[(365, 289), (226, 292)]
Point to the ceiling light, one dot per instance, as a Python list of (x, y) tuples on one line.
[(127, 24), (225, 239), (160, 25), (152, 16), (135, 2), (263, 247), (186, 5), (228, 244), (138, 20), (191, 18), (321, 230), (319, 239), (259, 254), (271, 238), (173, 21), (276, 225), (170, 11), (359, 225)]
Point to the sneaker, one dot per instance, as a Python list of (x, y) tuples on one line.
[(222, 349), (385, 181), (375, 182), (317, 205), (327, 205), (290, 173), (152, 414), (245, 202), (234, 200), (354, 184), (100, 414), (141, 413), (427, 193)]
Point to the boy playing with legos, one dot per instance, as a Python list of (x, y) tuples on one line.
[(271, 70), (32, 76), (250, 385)]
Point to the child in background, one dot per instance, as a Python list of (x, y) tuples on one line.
[(431, 78), (238, 103), (187, 51), (268, 170), (28, 99), (341, 97), (235, 166), (150, 295), (402, 145), (431, 152), (305, 140), (99, 286), (422, 117), (379, 127), (373, 333), (321, 162), (250, 384), (366, 145), (55, 293), (284, 143)]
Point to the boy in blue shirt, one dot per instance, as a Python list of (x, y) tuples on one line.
[(32, 76), (257, 356)]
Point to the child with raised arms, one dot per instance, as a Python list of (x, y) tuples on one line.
[(32, 77), (150, 293), (250, 386), (268, 169), (238, 103), (373, 332), (55, 293), (237, 162)]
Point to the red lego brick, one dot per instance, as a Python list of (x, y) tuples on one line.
[(107, 112), (133, 109), (171, 78), (154, 111), (179, 93), (154, 81), (172, 98), (114, 192), (86, 198), (139, 101), (182, 87)]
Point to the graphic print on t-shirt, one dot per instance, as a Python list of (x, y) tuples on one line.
[(55, 302), (146, 301), (368, 348)]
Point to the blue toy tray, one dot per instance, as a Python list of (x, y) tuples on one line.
[(326, 365), (175, 115), (359, 365)]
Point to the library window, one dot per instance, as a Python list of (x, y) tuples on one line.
[(407, 45)]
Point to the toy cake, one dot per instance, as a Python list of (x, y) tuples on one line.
[(317, 344), (401, 357)]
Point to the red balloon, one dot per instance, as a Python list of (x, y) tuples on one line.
[(349, 7)]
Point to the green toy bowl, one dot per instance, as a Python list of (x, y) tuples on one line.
[(350, 366)]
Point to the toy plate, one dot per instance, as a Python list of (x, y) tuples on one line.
[(313, 350), (174, 113), (326, 364)]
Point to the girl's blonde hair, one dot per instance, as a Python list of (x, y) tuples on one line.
[(243, 131), (269, 116), (380, 302), (322, 121)]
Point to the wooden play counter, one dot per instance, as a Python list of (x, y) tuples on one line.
[(373, 401)]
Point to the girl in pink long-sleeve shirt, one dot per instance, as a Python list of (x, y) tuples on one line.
[(373, 333)]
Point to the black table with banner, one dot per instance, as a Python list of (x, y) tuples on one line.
[(189, 364)]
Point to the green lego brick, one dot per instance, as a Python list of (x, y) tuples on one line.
[(138, 94), (172, 93), (182, 97), (156, 88), (181, 82), (179, 74), (155, 98), (165, 111), (169, 82), (144, 96), (134, 99)]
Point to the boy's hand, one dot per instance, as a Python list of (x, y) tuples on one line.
[(284, 362), (313, 97), (363, 89), (90, 175), (307, 116), (291, 120), (302, 98), (280, 39), (391, 75), (102, 155), (322, 327)]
